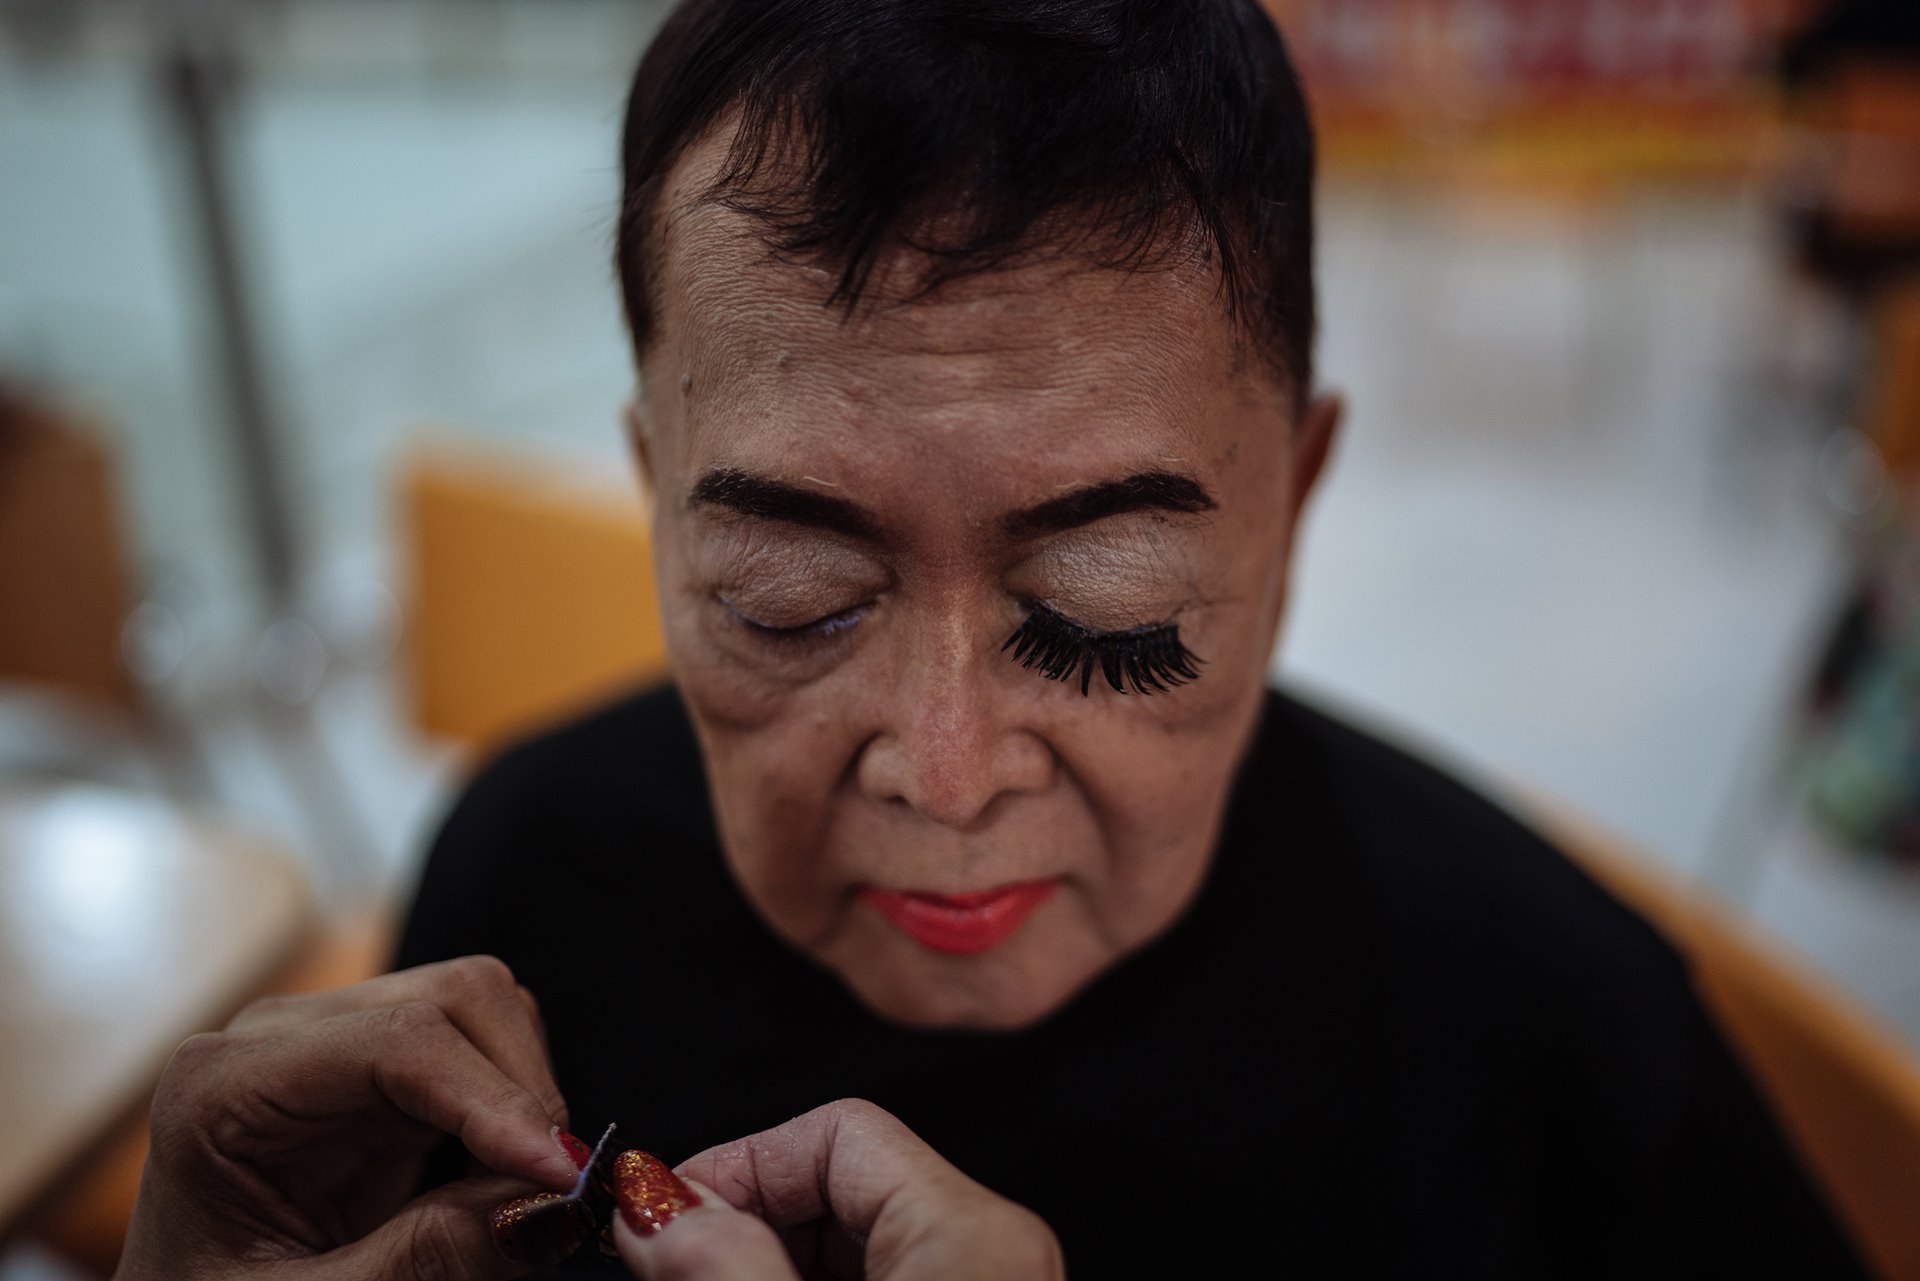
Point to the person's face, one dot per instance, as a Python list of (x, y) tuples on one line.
[(854, 514)]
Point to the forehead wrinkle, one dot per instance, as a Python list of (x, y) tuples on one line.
[(743, 342), (748, 334)]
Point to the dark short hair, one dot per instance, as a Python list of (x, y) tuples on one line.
[(1129, 132)]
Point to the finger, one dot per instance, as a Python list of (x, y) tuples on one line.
[(431, 1070), (478, 993), (442, 1236), (290, 1009), (845, 1160), (278, 1090), (710, 1241), (914, 1213)]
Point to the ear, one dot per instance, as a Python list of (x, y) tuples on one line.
[(1313, 435), (1313, 442), (640, 439)]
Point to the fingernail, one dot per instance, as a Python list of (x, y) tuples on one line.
[(542, 1229), (577, 1152), (650, 1195)]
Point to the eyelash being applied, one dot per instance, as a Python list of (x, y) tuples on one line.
[(1145, 658)]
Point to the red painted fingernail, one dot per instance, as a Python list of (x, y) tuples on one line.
[(542, 1229), (650, 1195), (579, 1153)]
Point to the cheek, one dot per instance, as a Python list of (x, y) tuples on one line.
[(779, 758), (1150, 785), (777, 765), (1157, 793), (772, 752)]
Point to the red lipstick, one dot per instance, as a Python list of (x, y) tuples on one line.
[(961, 924)]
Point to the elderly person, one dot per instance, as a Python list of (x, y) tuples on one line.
[(977, 396)]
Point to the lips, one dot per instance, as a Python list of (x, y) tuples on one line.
[(961, 924)]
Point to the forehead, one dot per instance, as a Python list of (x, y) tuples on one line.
[(1073, 359)]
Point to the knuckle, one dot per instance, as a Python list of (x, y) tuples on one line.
[(263, 1009), (853, 1109), (434, 1249), (413, 1019), (188, 1068), (1029, 1239), (190, 1089), (481, 976), (197, 1050), (863, 1116)]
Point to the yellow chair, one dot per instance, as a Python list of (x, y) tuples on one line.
[(64, 588), (1893, 413), (1845, 1090), (531, 594), (86, 1223)]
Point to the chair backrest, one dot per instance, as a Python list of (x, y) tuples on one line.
[(1893, 413), (1846, 1090), (64, 588), (1867, 109), (531, 594)]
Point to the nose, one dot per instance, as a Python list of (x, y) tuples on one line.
[(953, 744)]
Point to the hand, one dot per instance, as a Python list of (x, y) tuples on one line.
[(299, 1131), (844, 1191)]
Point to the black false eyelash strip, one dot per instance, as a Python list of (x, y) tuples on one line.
[(1140, 661)]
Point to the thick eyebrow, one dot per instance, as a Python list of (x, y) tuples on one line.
[(750, 495), (1143, 491)]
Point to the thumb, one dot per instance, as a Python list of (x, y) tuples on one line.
[(671, 1230), (445, 1235)]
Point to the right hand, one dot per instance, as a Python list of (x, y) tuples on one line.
[(847, 1191), (299, 1132)]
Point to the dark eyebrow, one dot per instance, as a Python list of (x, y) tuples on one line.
[(751, 495), (1143, 491)]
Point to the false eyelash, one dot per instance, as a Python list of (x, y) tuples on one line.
[(1146, 658)]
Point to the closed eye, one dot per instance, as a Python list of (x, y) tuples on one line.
[(821, 628)]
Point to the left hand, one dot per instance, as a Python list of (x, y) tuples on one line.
[(295, 1136), (843, 1191)]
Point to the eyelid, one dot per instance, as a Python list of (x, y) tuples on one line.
[(819, 629), (1101, 633)]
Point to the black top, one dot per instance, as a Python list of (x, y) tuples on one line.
[(1397, 1034)]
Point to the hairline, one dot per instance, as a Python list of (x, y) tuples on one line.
[(648, 245)]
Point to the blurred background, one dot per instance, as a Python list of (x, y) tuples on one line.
[(313, 487)]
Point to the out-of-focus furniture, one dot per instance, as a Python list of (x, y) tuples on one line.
[(531, 593), (128, 926), (85, 1220), (1846, 1091), (64, 591), (1870, 108), (1849, 170), (68, 593), (1893, 410)]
